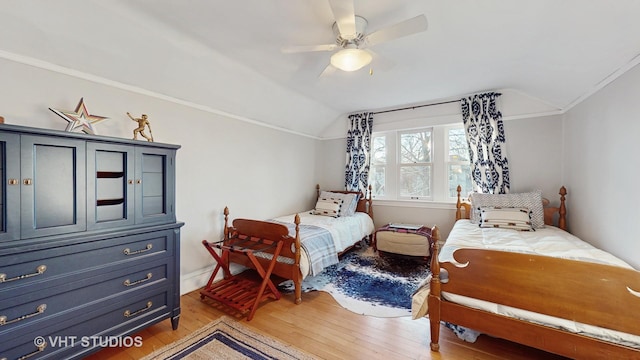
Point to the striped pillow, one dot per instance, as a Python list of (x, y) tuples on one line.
[(530, 200), (328, 207), (349, 202), (506, 218)]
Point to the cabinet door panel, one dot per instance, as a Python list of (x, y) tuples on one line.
[(53, 197), (110, 188), (153, 206), (54, 184), (153, 184), (9, 187), (155, 181)]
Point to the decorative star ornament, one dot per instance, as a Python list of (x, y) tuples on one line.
[(80, 118)]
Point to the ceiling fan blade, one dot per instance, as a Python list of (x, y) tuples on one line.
[(308, 48), (401, 29), (345, 15)]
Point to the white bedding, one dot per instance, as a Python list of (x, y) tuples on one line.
[(345, 231), (549, 241)]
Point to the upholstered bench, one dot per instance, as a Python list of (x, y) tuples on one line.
[(403, 241)]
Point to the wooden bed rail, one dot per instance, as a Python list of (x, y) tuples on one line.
[(549, 211)]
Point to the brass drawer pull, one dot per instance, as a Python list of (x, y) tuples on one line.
[(39, 310), (27, 181), (130, 283), (128, 313), (128, 251), (13, 181), (40, 347), (39, 270)]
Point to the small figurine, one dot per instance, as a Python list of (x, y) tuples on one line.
[(142, 122)]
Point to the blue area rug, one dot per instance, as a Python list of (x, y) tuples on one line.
[(366, 283)]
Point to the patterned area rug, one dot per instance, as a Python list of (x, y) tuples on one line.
[(366, 283), (225, 338)]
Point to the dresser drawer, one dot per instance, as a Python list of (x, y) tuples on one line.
[(35, 309), (34, 271), (78, 338)]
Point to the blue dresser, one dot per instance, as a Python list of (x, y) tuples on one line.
[(89, 242)]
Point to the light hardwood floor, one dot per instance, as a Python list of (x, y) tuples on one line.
[(322, 327)]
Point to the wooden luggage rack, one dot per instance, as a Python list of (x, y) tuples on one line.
[(242, 292)]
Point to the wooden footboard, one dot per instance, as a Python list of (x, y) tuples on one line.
[(588, 293)]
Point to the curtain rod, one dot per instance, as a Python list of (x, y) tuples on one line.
[(415, 107)]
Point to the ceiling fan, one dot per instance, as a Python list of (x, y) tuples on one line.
[(352, 39)]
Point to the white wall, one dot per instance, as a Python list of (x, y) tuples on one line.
[(534, 150), (257, 171), (601, 167)]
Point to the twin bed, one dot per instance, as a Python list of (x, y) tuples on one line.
[(316, 238), (544, 287)]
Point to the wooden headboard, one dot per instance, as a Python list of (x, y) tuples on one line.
[(365, 203), (463, 209)]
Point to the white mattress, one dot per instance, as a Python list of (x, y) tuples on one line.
[(345, 231), (549, 241)]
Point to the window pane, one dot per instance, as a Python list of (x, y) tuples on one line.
[(379, 150), (377, 180), (415, 181), (459, 175), (458, 148), (415, 147)]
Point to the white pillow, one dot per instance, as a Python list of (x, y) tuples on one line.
[(349, 201), (328, 207), (506, 218), (531, 200)]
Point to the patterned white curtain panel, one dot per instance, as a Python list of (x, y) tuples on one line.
[(358, 152), (485, 136)]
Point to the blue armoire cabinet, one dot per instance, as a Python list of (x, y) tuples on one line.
[(89, 242)]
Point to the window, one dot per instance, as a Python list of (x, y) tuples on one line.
[(457, 163), (424, 164)]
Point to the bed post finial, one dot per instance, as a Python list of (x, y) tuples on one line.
[(226, 223), (458, 203), (562, 220)]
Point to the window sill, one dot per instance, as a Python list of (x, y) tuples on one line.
[(415, 204)]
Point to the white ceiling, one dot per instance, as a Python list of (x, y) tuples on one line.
[(224, 55)]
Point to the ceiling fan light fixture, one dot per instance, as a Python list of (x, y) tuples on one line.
[(350, 59)]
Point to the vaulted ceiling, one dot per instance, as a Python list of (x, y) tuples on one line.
[(225, 56)]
